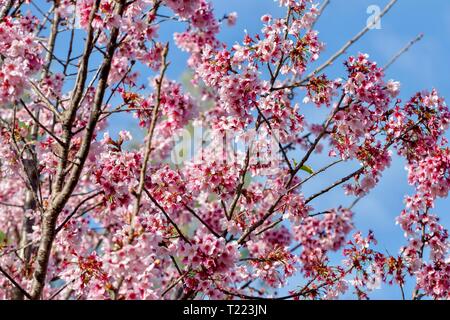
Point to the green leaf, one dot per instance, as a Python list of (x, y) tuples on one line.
[(307, 169), (245, 253), (2, 237)]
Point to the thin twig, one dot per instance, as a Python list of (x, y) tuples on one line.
[(74, 211), (202, 221), (40, 124), (319, 14), (334, 185), (182, 236), (15, 284), (402, 51)]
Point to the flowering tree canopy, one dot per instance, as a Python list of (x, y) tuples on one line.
[(86, 215)]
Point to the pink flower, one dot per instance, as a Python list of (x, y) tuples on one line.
[(393, 88)]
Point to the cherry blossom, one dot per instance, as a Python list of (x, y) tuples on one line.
[(209, 195)]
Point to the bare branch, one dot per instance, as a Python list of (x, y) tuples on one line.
[(321, 11), (334, 185), (151, 130)]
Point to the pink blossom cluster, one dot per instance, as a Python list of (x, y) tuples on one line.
[(238, 218), (318, 236), (120, 168), (21, 56)]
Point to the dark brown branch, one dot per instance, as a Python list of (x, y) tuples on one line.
[(349, 43), (239, 188), (402, 51), (11, 205), (282, 150), (6, 8), (174, 283), (340, 52), (15, 284), (314, 174), (202, 221), (150, 133)]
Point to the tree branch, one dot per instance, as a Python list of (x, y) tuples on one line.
[(15, 284), (402, 51)]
